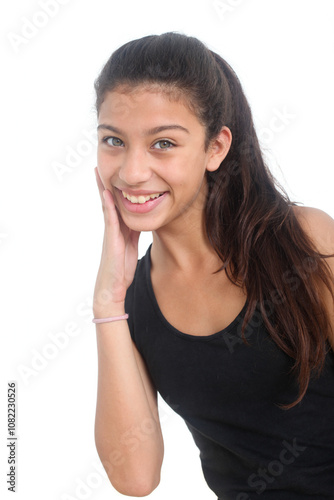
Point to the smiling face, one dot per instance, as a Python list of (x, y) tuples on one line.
[(151, 157)]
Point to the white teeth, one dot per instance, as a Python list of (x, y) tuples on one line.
[(140, 199)]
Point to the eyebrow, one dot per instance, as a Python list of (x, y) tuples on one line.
[(151, 131)]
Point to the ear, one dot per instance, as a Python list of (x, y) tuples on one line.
[(218, 149)]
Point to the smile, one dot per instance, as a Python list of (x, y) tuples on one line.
[(141, 203), (141, 198)]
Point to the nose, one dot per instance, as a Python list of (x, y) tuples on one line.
[(134, 169)]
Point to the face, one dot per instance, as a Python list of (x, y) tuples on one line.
[(151, 157)]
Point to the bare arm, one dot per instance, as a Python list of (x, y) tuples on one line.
[(127, 429)]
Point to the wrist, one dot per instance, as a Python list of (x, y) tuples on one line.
[(117, 309), (110, 319), (108, 303)]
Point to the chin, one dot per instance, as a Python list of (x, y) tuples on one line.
[(141, 225)]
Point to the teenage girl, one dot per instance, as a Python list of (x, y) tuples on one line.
[(229, 315)]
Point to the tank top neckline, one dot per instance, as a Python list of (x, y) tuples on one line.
[(171, 328)]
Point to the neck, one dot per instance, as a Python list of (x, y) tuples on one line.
[(184, 247)]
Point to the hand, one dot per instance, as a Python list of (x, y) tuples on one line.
[(118, 260)]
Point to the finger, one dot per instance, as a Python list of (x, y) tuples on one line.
[(110, 212)]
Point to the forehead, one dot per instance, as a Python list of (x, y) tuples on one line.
[(147, 100)]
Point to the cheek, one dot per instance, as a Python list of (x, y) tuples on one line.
[(105, 164), (102, 158), (186, 168)]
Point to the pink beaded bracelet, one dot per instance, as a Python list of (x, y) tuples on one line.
[(107, 320)]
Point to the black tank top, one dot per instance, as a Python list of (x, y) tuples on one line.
[(228, 394)]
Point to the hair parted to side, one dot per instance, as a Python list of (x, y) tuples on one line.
[(250, 220)]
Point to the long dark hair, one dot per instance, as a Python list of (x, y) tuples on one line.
[(250, 220)]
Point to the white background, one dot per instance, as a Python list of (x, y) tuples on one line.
[(51, 225)]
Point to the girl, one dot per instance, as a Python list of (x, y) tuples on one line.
[(229, 315)]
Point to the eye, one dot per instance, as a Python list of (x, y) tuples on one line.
[(113, 141), (164, 144)]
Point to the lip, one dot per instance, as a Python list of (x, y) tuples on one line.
[(140, 208)]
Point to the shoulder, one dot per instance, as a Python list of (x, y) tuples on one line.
[(318, 225)]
